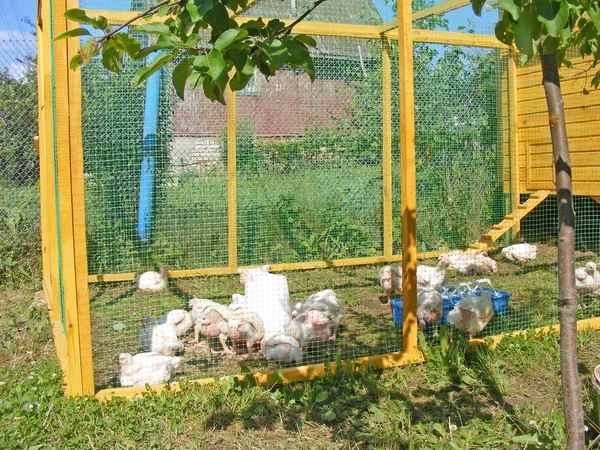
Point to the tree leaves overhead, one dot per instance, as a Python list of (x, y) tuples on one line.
[(212, 49), (550, 26)]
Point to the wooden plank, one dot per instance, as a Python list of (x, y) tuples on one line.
[(454, 38), (567, 86), (586, 174), (513, 109), (232, 240), (533, 78), (440, 8), (542, 134), (78, 211), (587, 113), (386, 94), (578, 62), (574, 100), (408, 175)]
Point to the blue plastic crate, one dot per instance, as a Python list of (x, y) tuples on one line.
[(398, 313), (499, 300)]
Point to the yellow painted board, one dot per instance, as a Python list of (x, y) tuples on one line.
[(454, 38), (386, 94), (78, 211), (586, 113), (288, 375), (578, 63), (408, 175), (232, 242), (585, 157), (542, 134), (567, 86), (440, 8), (571, 101), (581, 173)]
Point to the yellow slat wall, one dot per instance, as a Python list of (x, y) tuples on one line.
[(582, 115)]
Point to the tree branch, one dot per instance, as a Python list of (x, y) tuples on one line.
[(288, 29), (129, 22)]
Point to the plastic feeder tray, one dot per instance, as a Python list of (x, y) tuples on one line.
[(449, 299), (499, 298)]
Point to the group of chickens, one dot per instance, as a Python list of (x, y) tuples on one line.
[(262, 316), (472, 312)]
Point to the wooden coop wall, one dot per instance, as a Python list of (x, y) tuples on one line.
[(582, 114)]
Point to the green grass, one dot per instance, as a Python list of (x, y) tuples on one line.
[(506, 398)]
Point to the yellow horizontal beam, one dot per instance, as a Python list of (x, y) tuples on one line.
[(440, 8), (288, 375), (454, 38), (385, 361), (305, 27)]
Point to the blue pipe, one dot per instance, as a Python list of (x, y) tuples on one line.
[(148, 166)]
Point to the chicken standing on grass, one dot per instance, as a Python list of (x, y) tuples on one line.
[(327, 302), (245, 327), (281, 348), (429, 308), (180, 318), (146, 368), (472, 313), (587, 279), (161, 338), (153, 281), (431, 277), (310, 327), (211, 319), (390, 280)]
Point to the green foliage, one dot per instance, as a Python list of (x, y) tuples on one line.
[(227, 58), (550, 26)]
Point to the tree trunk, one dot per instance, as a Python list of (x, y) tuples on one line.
[(567, 294)]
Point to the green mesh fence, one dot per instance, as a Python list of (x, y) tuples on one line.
[(309, 187)]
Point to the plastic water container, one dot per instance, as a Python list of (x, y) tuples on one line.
[(499, 298), (451, 295), (397, 312)]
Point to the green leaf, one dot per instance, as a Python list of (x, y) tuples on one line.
[(216, 64), (73, 33), (100, 23), (321, 397), (153, 28), (526, 439), (306, 40), (254, 27), (524, 33), (198, 8), (145, 52), (195, 79), (503, 32), (438, 427), (274, 26), (356, 422), (593, 10), (477, 6), (163, 10), (119, 326), (77, 15), (596, 80), (229, 37), (550, 44), (300, 56), (112, 58), (180, 76), (513, 7), (88, 50), (218, 18), (552, 14), (76, 61), (130, 45), (378, 416), (237, 57), (328, 416), (157, 63)]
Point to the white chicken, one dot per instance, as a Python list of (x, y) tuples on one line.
[(390, 280), (181, 319), (431, 277), (587, 279), (429, 308), (211, 319), (267, 295), (309, 328), (472, 313), (327, 302), (245, 327), (146, 368), (520, 252), (153, 281), (160, 338), (469, 262), (281, 348)]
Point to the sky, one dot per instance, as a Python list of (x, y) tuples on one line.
[(13, 11)]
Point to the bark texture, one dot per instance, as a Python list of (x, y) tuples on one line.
[(567, 294)]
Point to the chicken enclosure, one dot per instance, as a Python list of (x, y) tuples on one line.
[(411, 141)]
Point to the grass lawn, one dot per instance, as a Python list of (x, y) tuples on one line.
[(503, 398)]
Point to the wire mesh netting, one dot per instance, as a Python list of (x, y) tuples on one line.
[(19, 168), (306, 185)]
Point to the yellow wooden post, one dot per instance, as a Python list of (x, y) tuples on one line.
[(408, 176), (231, 181), (386, 103), (67, 116), (513, 137)]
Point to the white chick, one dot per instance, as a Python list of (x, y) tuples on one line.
[(429, 308), (488, 264), (520, 252), (390, 280), (153, 281), (245, 327), (160, 338), (279, 347), (308, 328), (431, 277), (146, 368), (472, 313), (267, 295), (327, 302), (211, 319), (587, 279), (180, 318)]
